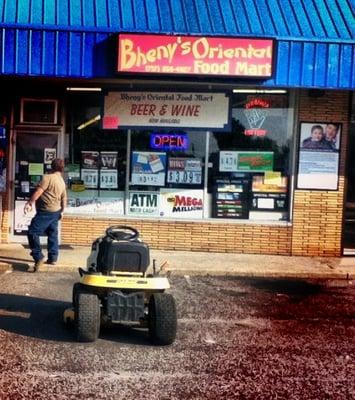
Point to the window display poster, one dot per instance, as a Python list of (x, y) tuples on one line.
[(181, 203), (35, 169), (108, 179), (22, 220), (148, 168), (90, 177), (90, 159), (186, 171), (49, 155), (246, 161), (318, 161), (108, 159), (72, 171), (90, 203), (143, 203)]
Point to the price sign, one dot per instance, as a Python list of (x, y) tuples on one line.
[(108, 179), (148, 179), (90, 177), (188, 177), (228, 161)]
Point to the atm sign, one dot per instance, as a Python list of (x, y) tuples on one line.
[(164, 141)]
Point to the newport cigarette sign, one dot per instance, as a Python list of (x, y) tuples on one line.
[(195, 55)]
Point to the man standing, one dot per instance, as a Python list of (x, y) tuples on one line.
[(50, 198)]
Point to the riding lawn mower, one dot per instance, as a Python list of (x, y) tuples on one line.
[(116, 288)]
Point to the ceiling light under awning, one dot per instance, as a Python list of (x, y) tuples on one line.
[(89, 122)]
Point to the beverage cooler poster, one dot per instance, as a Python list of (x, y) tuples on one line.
[(148, 168)]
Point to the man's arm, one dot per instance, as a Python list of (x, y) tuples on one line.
[(35, 196)]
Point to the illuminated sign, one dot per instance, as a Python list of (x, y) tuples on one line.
[(256, 116), (195, 55), (169, 141)]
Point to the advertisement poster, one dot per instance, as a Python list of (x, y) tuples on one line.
[(108, 179), (35, 169), (90, 177), (195, 55), (90, 159), (318, 162), (144, 203), (90, 203), (166, 109), (148, 168), (108, 159), (186, 171), (246, 161), (22, 220), (49, 155), (181, 203)]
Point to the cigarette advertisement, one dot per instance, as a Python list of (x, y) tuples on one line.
[(184, 171), (148, 168)]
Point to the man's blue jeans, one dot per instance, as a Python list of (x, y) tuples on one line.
[(44, 223)]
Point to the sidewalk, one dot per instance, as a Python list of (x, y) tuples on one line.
[(16, 256)]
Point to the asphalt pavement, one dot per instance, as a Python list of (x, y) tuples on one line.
[(16, 256), (237, 338)]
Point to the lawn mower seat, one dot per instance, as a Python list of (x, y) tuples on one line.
[(122, 255)]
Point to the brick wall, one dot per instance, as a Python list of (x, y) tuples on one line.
[(4, 219), (318, 215), (189, 236)]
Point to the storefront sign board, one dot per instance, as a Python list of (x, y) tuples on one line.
[(195, 55), (144, 203), (246, 161), (148, 168), (181, 203), (143, 110)]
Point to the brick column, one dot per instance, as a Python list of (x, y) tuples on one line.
[(318, 215)]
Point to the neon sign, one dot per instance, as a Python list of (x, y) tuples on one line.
[(169, 141)]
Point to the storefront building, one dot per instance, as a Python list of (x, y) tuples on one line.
[(208, 126)]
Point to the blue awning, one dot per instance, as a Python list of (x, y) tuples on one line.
[(75, 38)]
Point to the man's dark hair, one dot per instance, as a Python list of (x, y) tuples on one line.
[(314, 127), (57, 165)]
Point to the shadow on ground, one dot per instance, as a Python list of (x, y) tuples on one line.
[(43, 319)]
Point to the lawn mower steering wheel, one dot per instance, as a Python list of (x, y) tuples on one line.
[(119, 232)]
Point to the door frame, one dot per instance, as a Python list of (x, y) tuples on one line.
[(57, 130)]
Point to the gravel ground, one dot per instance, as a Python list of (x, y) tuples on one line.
[(237, 339)]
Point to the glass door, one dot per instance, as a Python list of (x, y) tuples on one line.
[(34, 153)]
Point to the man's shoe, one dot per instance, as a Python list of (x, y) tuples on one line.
[(49, 262), (36, 266)]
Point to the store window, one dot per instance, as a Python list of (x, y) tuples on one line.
[(249, 174), (167, 173), (96, 159), (162, 172)]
